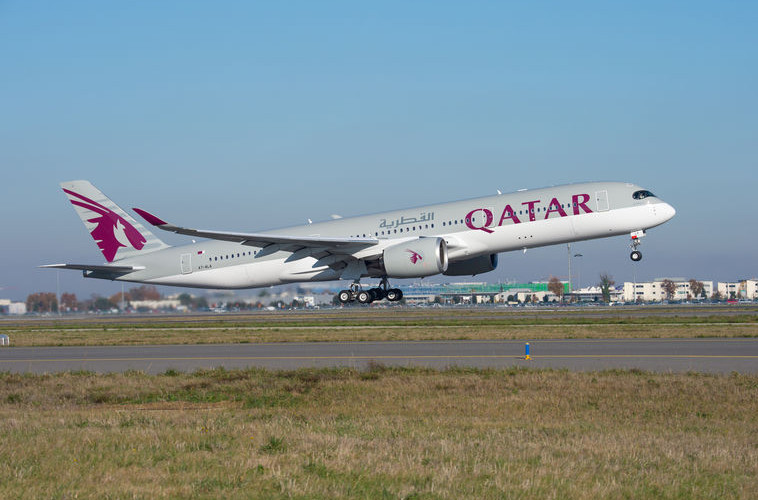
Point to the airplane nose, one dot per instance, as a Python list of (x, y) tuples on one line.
[(668, 211)]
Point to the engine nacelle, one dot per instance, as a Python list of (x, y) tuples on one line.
[(416, 259), (470, 267)]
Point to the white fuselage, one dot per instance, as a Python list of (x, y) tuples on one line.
[(470, 228)]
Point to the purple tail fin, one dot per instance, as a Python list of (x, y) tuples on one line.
[(116, 233)]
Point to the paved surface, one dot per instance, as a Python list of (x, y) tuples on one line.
[(681, 355)]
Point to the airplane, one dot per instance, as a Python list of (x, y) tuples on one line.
[(460, 238)]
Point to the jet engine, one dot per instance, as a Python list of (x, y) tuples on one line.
[(416, 258), (470, 267)]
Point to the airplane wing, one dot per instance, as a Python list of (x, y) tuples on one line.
[(332, 245)]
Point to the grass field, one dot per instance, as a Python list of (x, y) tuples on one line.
[(388, 324), (384, 432), (381, 433)]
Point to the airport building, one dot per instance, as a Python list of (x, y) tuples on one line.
[(480, 293), (595, 294), (653, 291), (9, 307), (152, 305), (745, 289)]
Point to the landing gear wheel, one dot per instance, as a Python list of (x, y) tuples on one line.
[(394, 294), (364, 297), (345, 296), (377, 293), (636, 256)]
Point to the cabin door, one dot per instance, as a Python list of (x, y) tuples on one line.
[(186, 263), (601, 197)]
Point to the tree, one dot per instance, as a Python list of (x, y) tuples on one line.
[(669, 287), (555, 286), (43, 302), (117, 299), (606, 282), (697, 288), (144, 292), (69, 302), (185, 299), (716, 295), (103, 304)]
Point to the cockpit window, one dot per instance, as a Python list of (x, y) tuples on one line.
[(641, 195)]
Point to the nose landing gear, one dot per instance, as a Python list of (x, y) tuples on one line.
[(636, 255), (383, 291)]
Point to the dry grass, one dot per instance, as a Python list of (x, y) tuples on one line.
[(384, 433), (371, 325)]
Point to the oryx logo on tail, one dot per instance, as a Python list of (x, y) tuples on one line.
[(112, 231)]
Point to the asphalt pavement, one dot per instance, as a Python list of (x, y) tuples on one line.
[(659, 355)]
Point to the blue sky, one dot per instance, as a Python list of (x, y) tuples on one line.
[(251, 115)]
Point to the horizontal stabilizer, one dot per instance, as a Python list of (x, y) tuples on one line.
[(94, 267)]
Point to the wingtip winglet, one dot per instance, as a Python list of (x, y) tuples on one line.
[(150, 218)]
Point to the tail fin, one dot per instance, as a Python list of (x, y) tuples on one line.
[(117, 234)]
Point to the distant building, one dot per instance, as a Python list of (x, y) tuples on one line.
[(17, 308), (480, 292), (595, 294), (9, 307), (652, 291), (307, 300), (745, 289), (155, 304)]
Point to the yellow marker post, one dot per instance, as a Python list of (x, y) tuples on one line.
[(527, 356)]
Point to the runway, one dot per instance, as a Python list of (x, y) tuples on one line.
[(659, 355)]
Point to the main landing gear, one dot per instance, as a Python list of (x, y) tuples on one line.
[(636, 255), (383, 291)]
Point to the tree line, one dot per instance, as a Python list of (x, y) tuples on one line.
[(47, 302)]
